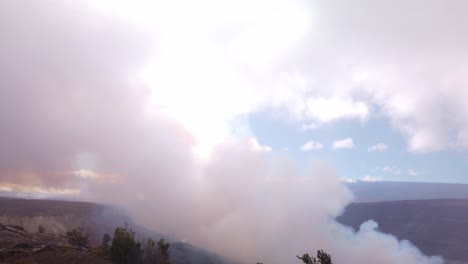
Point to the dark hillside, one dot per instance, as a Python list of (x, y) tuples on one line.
[(437, 227), (58, 217)]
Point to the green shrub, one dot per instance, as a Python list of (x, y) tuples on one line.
[(124, 249), (105, 240), (78, 238)]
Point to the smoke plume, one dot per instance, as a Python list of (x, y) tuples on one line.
[(116, 109)]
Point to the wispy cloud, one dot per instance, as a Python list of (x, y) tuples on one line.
[(311, 145), (392, 170), (381, 147), (348, 180), (31, 189), (346, 143), (413, 172), (311, 126)]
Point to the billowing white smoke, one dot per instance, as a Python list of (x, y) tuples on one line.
[(252, 206), (82, 107)]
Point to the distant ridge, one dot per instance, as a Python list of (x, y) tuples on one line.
[(398, 191)]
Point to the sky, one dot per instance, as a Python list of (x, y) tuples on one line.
[(378, 151), (215, 104), (386, 79), (378, 90)]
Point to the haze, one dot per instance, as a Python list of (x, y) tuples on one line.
[(234, 125)]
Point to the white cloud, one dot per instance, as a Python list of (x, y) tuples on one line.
[(344, 69), (311, 145), (86, 174), (255, 146), (348, 180), (30, 189), (391, 170), (380, 147), (413, 172), (369, 178), (346, 143), (334, 108), (311, 126)]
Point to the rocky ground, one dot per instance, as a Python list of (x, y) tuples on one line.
[(20, 246), (21, 219)]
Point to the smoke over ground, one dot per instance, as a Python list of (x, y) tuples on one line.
[(92, 103)]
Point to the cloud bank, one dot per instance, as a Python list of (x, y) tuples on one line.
[(317, 63)]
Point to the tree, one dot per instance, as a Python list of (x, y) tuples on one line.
[(307, 259), (41, 229), (124, 249), (151, 254), (105, 240), (156, 253), (78, 237), (322, 256), (163, 249)]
